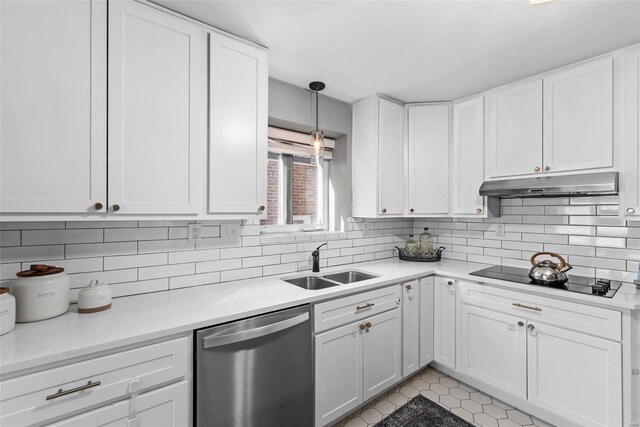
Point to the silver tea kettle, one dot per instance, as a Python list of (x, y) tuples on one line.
[(548, 272)]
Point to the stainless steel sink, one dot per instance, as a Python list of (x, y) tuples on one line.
[(311, 282), (349, 277)]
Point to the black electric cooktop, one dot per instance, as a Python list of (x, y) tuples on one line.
[(584, 285)]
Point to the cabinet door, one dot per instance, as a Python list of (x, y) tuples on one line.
[(578, 117), (53, 106), (574, 375), (165, 407), (444, 322), (630, 200), (338, 372), (481, 332), (410, 327), (156, 113), (428, 160), (382, 348), (391, 120), (426, 321), (515, 130), (238, 76), (468, 158)]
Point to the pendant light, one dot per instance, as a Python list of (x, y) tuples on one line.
[(317, 139)]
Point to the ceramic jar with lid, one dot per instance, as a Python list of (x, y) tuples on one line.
[(41, 292), (426, 242), (7, 311), (411, 246)]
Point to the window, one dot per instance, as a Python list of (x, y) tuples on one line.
[(296, 186)]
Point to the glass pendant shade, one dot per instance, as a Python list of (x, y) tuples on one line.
[(317, 146)]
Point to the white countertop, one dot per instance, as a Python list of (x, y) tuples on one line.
[(145, 317)]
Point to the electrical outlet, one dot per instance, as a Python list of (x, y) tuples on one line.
[(229, 233), (499, 231), (194, 231), (365, 229)]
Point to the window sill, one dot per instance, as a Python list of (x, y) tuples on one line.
[(274, 237)]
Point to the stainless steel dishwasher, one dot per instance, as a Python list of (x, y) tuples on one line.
[(256, 372)]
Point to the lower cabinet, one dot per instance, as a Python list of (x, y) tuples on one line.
[(493, 348), (165, 407), (355, 362), (426, 321), (574, 375), (444, 322), (411, 310)]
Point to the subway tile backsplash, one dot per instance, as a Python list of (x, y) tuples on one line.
[(586, 231), (149, 256)]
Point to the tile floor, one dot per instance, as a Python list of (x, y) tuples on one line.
[(460, 398)]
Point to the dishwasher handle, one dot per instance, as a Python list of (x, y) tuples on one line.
[(219, 340)]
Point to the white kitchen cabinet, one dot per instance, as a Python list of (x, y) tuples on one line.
[(515, 130), (34, 399), (238, 80), (468, 159), (444, 322), (53, 106), (378, 157), (481, 332), (411, 301), (356, 361), (630, 195), (165, 407), (338, 372), (156, 111), (428, 160), (382, 350), (574, 375), (426, 321), (578, 117)]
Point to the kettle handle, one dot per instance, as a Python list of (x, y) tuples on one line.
[(562, 265)]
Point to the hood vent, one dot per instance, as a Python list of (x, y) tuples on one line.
[(590, 184)]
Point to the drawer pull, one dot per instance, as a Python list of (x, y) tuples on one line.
[(408, 287), (62, 392), (364, 307), (528, 307)]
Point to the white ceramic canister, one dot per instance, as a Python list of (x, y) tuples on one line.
[(7, 311), (41, 292)]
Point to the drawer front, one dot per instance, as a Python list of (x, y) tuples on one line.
[(35, 398), (339, 312), (590, 320)]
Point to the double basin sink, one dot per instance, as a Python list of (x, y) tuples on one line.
[(330, 280)]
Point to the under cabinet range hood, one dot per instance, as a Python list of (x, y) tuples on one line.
[(589, 184)]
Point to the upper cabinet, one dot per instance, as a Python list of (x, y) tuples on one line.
[(467, 164), (238, 79), (156, 111), (378, 157), (630, 201), (53, 106), (578, 117), (515, 130), (428, 160)]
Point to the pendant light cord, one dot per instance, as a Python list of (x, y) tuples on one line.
[(317, 110)]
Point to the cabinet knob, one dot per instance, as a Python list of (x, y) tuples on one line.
[(408, 286), (411, 210), (450, 283), (261, 208), (361, 326), (536, 169), (368, 324), (631, 210), (115, 208), (478, 210), (521, 324), (97, 206), (547, 168), (383, 210), (531, 327)]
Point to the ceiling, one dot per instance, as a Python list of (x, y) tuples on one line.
[(420, 50)]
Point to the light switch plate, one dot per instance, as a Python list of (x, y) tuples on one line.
[(229, 233), (194, 232)]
